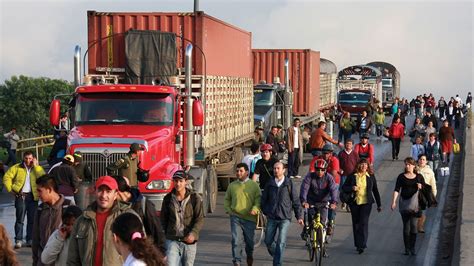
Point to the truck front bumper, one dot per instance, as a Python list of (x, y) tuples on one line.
[(157, 199)]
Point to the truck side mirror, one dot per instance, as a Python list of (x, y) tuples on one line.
[(198, 114), (54, 112)]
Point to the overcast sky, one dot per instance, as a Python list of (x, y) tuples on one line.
[(431, 43)]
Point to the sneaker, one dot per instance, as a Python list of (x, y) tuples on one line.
[(29, 243), (298, 176), (292, 177), (18, 244)]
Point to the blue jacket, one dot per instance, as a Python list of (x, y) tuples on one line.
[(315, 190), (277, 202)]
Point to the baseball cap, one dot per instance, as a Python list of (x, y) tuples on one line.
[(136, 147), (180, 174), (106, 181), (69, 158), (77, 157)]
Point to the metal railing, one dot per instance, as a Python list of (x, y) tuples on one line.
[(36, 144)]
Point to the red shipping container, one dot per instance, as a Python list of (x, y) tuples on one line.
[(304, 75), (227, 49)]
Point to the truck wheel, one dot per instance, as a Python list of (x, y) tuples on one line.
[(212, 188), (205, 193)]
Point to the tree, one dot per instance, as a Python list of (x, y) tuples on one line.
[(25, 102)]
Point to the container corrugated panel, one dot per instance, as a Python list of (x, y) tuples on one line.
[(304, 75), (227, 49), (328, 90)]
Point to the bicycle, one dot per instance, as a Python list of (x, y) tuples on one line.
[(260, 230), (316, 234)]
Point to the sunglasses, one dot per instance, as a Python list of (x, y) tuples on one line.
[(320, 170)]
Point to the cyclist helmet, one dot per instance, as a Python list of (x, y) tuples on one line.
[(266, 147), (328, 148), (320, 164)]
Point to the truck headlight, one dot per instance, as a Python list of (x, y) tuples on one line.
[(159, 184)]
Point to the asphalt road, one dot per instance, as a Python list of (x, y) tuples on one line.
[(385, 243)]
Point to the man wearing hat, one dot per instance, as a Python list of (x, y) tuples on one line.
[(182, 219), (365, 149), (128, 165), (93, 243), (66, 178)]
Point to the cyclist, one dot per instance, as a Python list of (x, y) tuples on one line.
[(318, 187), (334, 169)]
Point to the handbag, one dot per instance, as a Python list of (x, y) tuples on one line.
[(347, 197), (456, 148), (410, 205), (261, 220)]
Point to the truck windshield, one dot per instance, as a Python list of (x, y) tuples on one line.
[(124, 108), (354, 97), (263, 97), (387, 83)]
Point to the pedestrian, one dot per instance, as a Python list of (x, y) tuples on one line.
[(396, 133), (394, 106), (7, 254), (251, 159), (379, 122), (450, 112), (145, 209), (418, 130), (348, 126), (407, 188), (92, 241), (364, 185), (264, 167), (430, 128), (348, 159), (182, 218), (469, 98), (242, 203), (132, 243), (12, 139), (364, 124), (365, 150), (442, 105), (85, 195), (458, 115), (258, 135), (272, 139), (58, 151), (429, 117), (458, 99), (425, 170), (56, 249), (401, 116), (417, 149), (128, 165), (279, 198), (433, 153), (20, 179), (418, 106), (446, 137), (333, 168), (294, 141), (48, 215), (66, 178), (318, 139)]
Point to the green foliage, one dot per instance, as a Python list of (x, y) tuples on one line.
[(25, 102)]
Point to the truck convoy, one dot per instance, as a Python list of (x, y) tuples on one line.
[(276, 103), (135, 92), (390, 83), (357, 87)]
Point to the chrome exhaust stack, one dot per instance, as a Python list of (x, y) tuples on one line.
[(288, 97), (189, 127), (77, 66)]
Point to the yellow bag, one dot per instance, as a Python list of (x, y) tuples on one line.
[(456, 148)]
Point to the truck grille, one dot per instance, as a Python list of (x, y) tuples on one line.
[(99, 162)]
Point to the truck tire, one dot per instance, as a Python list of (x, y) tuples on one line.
[(212, 188), (205, 196)]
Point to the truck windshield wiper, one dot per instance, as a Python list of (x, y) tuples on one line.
[(93, 121)]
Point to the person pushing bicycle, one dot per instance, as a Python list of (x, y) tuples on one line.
[(318, 187)]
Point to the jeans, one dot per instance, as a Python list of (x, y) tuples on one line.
[(379, 130), (242, 231), (293, 162), (24, 206), (360, 224), (180, 253), (276, 249), (434, 166), (11, 157), (395, 147)]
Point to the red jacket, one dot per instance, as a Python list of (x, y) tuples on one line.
[(397, 131), (365, 152)]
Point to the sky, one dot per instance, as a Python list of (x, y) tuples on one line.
[(430, 43)]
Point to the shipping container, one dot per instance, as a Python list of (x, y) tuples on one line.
[(226, 48), (304, 75), (328, 78)]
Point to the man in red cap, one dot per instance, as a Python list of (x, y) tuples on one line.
[(93, 240)]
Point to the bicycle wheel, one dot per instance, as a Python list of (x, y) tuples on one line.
[(310, 245), (321, 246), (258, 237)]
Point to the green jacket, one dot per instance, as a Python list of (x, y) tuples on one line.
[(241, 198), (82, 245), (126, 166), (379, 118), (14, 178), (347, 124)]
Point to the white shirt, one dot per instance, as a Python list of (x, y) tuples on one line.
[(296, 142), (279, 182), (246, 179), (27, 186), (132, 261)]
